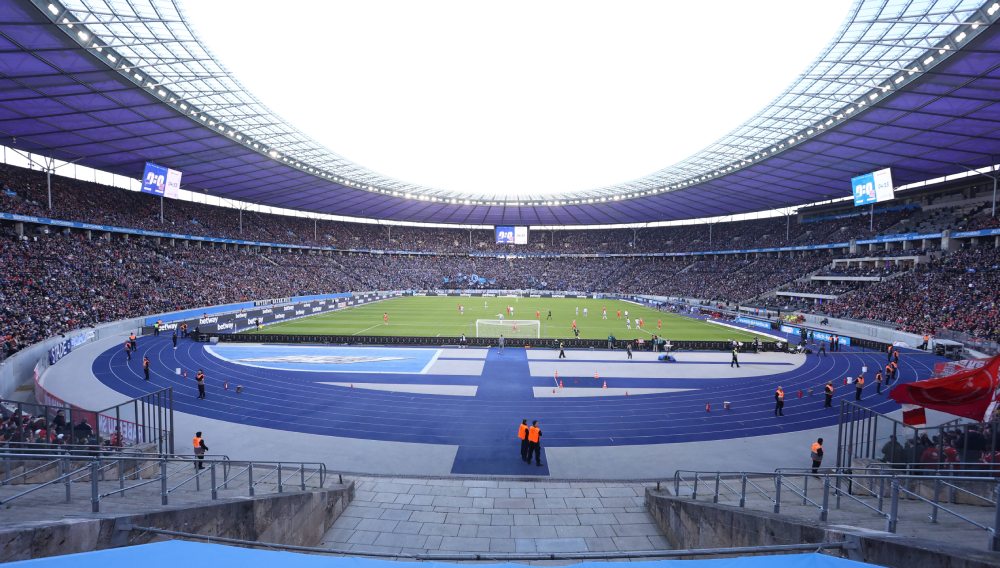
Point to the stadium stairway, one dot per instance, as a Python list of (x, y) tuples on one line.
[(45, 497), (802, 497), (422, 515)]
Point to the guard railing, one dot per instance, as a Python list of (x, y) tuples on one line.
[(117, 474), (873, 489)]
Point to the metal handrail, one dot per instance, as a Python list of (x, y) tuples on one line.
[(938, 506), (7, 479), (95, 466), (59, 479), (896, 481)]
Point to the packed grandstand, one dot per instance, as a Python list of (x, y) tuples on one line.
[(71, 279)]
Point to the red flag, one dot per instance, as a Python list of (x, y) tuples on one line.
[(971, 393), (914, 415)]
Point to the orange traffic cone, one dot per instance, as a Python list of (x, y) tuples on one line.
[(845, 380), (560, 383), (596, 376), (708, 407)]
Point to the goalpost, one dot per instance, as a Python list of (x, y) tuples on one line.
[(508, 328)]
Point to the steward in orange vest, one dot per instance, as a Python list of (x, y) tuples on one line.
[(534, 443), (779, 402), (522, 433)]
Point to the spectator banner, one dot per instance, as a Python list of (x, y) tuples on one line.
[(971, 393), (63, 348), (753, 322)]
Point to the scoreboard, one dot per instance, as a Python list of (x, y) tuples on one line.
[(512, 235), (161, 181), (872, 188)]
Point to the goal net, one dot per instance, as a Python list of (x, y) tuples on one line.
[(508, 328)]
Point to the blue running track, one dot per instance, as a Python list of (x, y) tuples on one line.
[(484, 426)]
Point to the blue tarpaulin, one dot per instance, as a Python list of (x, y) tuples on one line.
[(172, 554)]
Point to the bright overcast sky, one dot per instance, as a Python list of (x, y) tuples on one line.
[(515, 97)]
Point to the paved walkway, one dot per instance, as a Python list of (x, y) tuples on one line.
[(410, 516)]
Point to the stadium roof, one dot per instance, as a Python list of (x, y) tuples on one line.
[(111, 84)]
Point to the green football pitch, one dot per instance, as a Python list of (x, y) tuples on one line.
[(430, 316)]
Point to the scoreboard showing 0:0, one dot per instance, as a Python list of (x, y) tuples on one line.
[(512, 235)]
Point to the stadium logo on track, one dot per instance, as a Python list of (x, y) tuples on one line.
[(319, 359)]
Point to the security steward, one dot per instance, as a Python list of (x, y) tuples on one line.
[(878, 382), (828, 390), (128, 350), (817, 455), (522, 433), (145, 367), (859, 384), (779, 401), (927, 341), (736, 360), (131, 339), (535, 443), (200, 377), (199, 450)]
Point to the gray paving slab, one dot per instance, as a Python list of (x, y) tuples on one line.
[(438, 529), (465, 544), (466, 516), (560, 544)]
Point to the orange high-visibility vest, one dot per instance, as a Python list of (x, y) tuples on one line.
[(533, 433), (197, 442), (522, 431), (780, 393), (816, 447), (829, 389), (860, 382)]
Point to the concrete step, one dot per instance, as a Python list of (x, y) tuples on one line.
[(421, 516)]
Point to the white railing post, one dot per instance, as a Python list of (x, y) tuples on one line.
[(163, 481), (890, 524), (824, 512), (777, 493), (215, 492), (95, 492)]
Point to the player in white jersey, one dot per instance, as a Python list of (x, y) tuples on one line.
[(626, 314), (604, 313), (578, 310), (461, 310), (628, 324), (584, 312)]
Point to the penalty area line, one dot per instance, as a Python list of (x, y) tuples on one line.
[(366, 329)]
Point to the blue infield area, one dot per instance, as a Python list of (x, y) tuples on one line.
[(327, 359)]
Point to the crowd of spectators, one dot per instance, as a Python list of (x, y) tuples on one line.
[(65, 281), (24, 191), (958, 292)]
